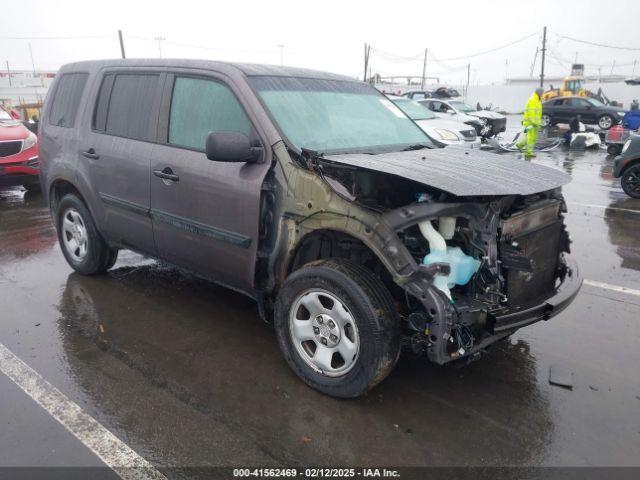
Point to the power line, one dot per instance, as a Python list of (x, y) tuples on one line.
[(77, 37), (615, 47), (490, 50), (396, 58), (202, 47)]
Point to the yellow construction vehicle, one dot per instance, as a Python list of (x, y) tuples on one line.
[(574, 86), (571, 86)]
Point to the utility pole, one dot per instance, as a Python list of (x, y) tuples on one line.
[(506, 70), (424, 69), (633, 72), (367, 51), (544, 51), (159, 40), (121, 44), (613, 66), (9, 72), (466, 92), (33, 65), (533, 65), (281, 47)]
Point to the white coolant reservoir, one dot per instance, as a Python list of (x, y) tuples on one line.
[(462, 266)]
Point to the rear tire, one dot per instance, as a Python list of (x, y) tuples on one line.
[(546, 120), (356, 315), (82, 246), (630, 181)]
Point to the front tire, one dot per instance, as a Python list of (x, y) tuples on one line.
[(614, 149), (630, 181), (546, 120), (337, 327), (82, 246), (605, 122)]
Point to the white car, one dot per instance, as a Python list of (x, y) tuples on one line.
[(449, 132), (491, 123)]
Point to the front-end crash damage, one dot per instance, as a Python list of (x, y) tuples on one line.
[(466, 266)]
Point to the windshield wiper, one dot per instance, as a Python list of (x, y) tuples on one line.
[(417, 146), (309, 153)]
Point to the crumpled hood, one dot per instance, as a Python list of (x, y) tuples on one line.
[(462, 173)]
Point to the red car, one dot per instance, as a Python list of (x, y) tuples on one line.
[(19, 163)]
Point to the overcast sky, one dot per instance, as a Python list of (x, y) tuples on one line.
[(330, 35)]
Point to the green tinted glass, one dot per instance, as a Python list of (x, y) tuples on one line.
[(201, 106)]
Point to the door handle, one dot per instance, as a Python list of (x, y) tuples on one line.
[(91, 153), (166, 174)]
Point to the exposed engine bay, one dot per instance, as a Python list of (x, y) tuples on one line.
[(500, 256)]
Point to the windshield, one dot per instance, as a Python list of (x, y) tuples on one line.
[(414, 110), (596, 103), (462, 107), (332, 116)]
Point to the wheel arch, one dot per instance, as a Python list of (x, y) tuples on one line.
[(326, 243), (58, 189), (63, 186), (632, 163)]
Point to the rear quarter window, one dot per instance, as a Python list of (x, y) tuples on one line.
[(66, 99)]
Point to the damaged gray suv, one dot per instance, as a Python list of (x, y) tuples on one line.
[(314, 195)]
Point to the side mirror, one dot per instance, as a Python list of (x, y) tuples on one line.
[(231, 147)]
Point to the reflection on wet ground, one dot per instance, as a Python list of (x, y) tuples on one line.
[(185, 372)]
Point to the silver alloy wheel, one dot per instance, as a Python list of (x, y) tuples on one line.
[(74, 235), (546, 120), (605, 122), (324, 332)]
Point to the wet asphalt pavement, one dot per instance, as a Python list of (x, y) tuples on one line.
[(186, 374)]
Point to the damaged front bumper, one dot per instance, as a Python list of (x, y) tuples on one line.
[(503, 325), (561, 298)]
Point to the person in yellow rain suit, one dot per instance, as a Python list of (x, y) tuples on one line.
[(531, 122)]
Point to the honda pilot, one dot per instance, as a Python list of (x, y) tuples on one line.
[(314, 195)]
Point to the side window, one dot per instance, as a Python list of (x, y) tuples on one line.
[(125, 105), (418, 96), (200, 106), (433, 106), (579, 102), (66, 99), (558, 102)]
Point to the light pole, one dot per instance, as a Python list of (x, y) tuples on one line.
[(281, 47), (159, 40)]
